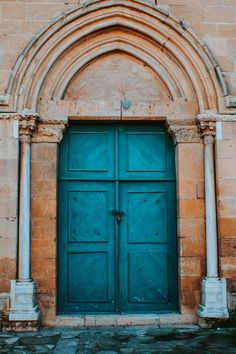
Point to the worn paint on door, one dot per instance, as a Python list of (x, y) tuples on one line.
[(117, 247)]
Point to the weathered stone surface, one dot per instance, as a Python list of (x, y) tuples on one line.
[(112, 340)]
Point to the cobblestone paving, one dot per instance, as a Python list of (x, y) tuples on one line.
[(126, 340)]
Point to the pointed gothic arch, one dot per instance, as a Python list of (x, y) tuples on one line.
[(139, 28)]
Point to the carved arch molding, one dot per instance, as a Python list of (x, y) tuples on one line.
[(185, 67)]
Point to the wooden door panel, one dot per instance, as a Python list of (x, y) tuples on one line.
[(87, 152), (86, 247), (148, 272), (146, 153)]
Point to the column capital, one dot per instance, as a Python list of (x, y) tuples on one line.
[(183, 130), (50, 131), (207, 127), (27, 124)]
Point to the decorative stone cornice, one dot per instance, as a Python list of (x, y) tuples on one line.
[(50, 131), (5, 116), (183, 130), (27, 124), (18, 116)]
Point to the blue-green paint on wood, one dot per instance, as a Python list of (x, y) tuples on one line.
[(105, 266)]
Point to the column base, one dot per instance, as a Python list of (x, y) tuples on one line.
[(22, 302), (214, 299)]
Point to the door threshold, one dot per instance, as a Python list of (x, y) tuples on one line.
[(125, 320)]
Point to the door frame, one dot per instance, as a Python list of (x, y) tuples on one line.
[(67, 179), (187, 143)]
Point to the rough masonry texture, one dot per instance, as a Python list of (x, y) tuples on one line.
[(170, 61)]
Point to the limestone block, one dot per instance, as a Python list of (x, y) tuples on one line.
[(226, 149), (191, 227), (227, 30), (106, 320), (7, 271), (71, 321), (40, 208), (189, 283), (226, 168), (8, 248), (190, 161), (37, 11), (228, 247), (8, 208), (9, 26), (43, 228), (228, 266), (190, 266), (136, 320), (219, 45), (13, 11), (217, 14), (227, 226), (190, 13), (229, 131), (191, 208), (192, 247), (8, 228), (227, 207), (190, 299)]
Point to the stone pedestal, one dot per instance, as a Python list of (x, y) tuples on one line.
[(23, 306), (214, 299)]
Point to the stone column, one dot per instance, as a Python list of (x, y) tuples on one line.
[(22, 297), (214, 296)]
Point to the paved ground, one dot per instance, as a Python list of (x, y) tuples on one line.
[(113, 340)]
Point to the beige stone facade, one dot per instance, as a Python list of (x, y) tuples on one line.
[(175, 61)]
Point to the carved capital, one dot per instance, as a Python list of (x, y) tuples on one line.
[(50, 131), (183, 130), (207, 128), (27, 124)]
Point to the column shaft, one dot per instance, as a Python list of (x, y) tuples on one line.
[(211, 230), (24, 214)]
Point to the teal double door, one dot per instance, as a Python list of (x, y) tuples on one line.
[(117, 248)]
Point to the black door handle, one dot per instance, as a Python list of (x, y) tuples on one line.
[(117, 214)]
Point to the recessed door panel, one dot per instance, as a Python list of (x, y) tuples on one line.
[(147, 278), (84, 222), (88, 280), (87, 152), (147, 216), (145, 152)]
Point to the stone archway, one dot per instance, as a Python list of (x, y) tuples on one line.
[(190, 82)]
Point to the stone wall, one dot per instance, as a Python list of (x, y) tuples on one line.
[(214, 21), (43, 225), (226, 190), (8, 203)]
